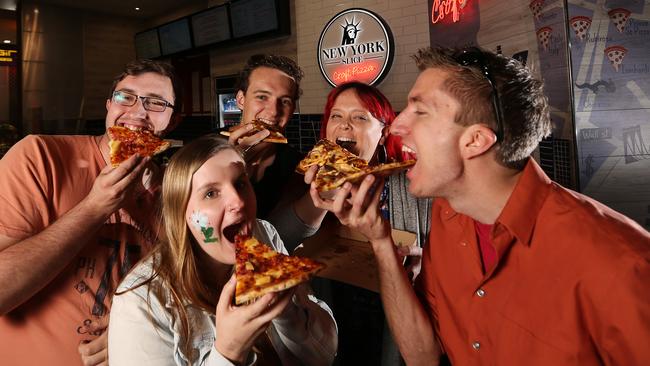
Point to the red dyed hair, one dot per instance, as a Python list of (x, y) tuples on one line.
[(378, 106)]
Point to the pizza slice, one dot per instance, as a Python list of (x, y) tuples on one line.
[(328, 177), (125, 142), (337, 166), (619, 17), (580, 25), (327, 152), (261, 270), (536, 7), (276, 135), (615, 55), (544, 37)]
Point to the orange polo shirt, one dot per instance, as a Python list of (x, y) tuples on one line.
[(571, 283)]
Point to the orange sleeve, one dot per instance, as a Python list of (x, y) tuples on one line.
[(24, 189)]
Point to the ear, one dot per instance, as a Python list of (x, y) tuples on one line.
[(384, 135), (240, 99), (476, 140), (108, 104)]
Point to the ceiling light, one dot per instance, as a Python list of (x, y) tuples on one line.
[(6, 41), (138, 9)]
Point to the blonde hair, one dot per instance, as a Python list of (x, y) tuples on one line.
[(175, 257)]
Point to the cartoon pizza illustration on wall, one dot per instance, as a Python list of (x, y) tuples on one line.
[(619, 17), (615, 54), (580, 25), (544, 37), (536, 7)]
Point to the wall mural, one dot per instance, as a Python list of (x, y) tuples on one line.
[(611, 72)]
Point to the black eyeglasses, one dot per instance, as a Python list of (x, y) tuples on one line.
[(474, 57), (152, 104)]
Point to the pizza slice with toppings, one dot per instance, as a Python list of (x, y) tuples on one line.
[(261, 270), (580, 25), (275, 135), (125, 142), (337, 165), (326, 152), (544, 37), (615, 54), (619, 17)]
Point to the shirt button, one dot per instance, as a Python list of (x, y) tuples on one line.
[(480, 292), (476, 345)]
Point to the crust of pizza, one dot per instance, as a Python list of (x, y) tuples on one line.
[(276, 135), (123, 143), (261, 270)]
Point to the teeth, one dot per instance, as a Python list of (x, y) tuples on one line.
[(133, 128), (345, 139), (407, 149), (264, 120)]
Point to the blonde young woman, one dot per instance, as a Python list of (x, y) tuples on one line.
[(176, 308)]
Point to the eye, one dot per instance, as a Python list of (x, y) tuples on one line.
[(360, 117), (335, 115), (157, 102), (287, 102), (261, 97), (212, 193), (241, 185)]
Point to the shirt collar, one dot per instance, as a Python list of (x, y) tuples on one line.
[(520, 213)]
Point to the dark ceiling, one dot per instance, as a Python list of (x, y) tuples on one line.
[(148, 8)]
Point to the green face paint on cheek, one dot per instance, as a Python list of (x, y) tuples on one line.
[(207, 233), (200, 221)]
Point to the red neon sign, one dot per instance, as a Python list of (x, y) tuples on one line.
[(442, 8), (364, 72)]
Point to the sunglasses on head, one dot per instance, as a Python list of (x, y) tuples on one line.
[(474, 57)]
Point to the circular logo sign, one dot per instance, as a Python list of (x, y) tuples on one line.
[(355, 45)]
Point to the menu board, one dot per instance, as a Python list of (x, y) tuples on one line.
[(175, 36), (147, 44), (252, 17), (210, 26)]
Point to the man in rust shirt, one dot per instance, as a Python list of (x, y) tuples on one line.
[(519, 270)]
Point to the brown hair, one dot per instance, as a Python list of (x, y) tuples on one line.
[(526, 119), (282, 63), (139, 67), (176, 256)]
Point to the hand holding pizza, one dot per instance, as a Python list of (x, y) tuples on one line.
[(361, 211), (237, 327), (113, 185), (246, 136)]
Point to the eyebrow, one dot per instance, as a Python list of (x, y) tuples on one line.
[(154, 95), (207, 185), (264, 91)]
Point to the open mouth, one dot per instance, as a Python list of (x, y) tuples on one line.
[(346, 143), (409, 150), (231, 231), (133, 127)]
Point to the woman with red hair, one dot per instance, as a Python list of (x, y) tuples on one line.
[(357, 116)]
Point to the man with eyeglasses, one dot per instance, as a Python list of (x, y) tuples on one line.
[(518, 270), (72, 225)]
